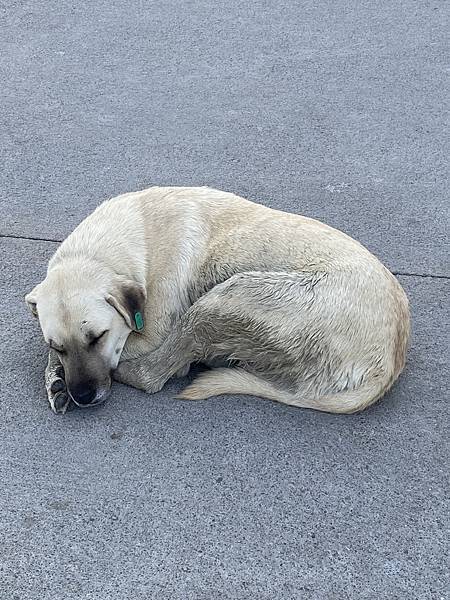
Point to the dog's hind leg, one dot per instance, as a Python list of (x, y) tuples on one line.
[(248, 320), (55, 384)]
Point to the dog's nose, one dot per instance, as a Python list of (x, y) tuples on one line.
[(83, 396)]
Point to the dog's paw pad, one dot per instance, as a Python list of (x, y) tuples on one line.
[(56, 388), (60, 402), (58, 385)]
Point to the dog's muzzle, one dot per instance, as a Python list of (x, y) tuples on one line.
[(86, 397)]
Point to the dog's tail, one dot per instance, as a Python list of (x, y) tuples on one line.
[(238, 381)]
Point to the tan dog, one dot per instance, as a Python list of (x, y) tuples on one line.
[(287, 307)]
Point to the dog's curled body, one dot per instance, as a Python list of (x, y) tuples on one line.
[(293, 309)]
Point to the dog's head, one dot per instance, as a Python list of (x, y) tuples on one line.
[(86, 317)]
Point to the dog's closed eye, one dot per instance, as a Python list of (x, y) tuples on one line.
[(56, 347), (96, 338)]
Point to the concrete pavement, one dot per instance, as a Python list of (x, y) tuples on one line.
[(334, 110)]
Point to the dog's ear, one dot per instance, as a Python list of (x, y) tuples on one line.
[(30, 300), (129, 300)]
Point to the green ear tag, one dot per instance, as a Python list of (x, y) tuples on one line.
[(138, 319)]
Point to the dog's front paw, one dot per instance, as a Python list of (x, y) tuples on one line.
[(55, 385), (131, 373), (123, 373)]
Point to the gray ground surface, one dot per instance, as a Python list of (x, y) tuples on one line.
[(330, 109)]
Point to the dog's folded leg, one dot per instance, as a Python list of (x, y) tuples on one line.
[(183, 371), (55, 384), (151, 371), (138, 374)]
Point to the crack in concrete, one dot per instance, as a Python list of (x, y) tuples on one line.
[(53, 241)]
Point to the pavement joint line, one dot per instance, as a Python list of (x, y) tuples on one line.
[(33, 239), (404, 274), (53, 241)]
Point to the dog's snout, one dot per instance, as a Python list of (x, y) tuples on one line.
[(83, 396)]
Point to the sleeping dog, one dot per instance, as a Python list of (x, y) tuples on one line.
[(279, 305)]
